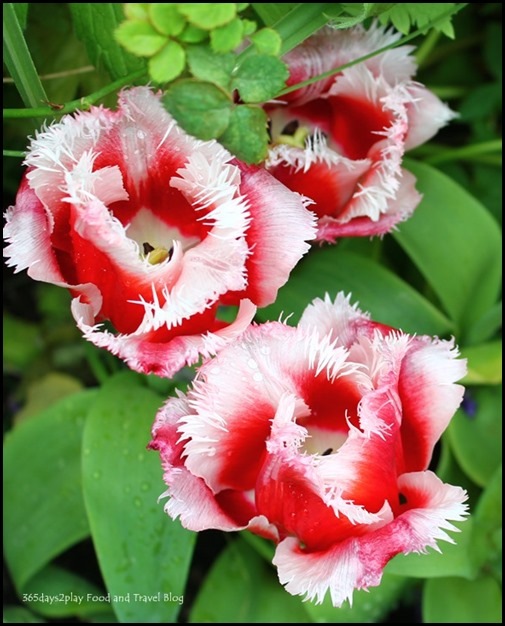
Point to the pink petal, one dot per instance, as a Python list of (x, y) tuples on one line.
[(429, 397), (279, 221), (427, 115), (28, 231), (358, 562), (329, 49), (164, 358)]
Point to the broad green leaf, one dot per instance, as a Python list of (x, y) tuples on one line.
[(487, 325), (139, 38), (19, 615), (476, 434), (166, 18), (18, 60), (201, 108), (168, 63), (246, 136), (455, 243), (453, 560), (208, 15), (267, 41), (367, 607), (449, 470), (388, 299), (484, 364), (228, 37), (95, 24), (486, 540), (271, 12), (215, 68), (260, 77), (72, 595), (140, 549), (45, 391), (459, 601), (21, 9), (44, 511), (22, 343), (242, 589)]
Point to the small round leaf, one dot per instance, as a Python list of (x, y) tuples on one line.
[(260, 78), (139, 38), (168, 63)]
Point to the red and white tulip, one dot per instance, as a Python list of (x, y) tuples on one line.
[(318, 437), (152, 230), (341, 141)]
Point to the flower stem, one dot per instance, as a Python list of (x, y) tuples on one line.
[(400, 42), (82, 103), (17, 154), (426, 48), (466, 152)]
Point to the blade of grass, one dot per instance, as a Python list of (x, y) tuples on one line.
[(300, 23), (18, 60)]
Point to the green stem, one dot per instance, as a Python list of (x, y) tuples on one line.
[(97, 367), (466, 152), (18, 59), (400, 42), (426, 48), (14, 153), (82, 103)]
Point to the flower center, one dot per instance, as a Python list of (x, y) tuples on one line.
[(323, 441), (294, 135), (155, 238)]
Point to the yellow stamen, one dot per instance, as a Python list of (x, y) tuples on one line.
[(297, 140), (158, 255)]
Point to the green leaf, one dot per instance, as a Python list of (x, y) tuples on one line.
[(201, 108), (301, 22), (18, 60), (246, 136), (356, 13), (22, 343), (367, 607), (476, 438), (21, 9), (167, 64), (139, 38), (166, 18), (453, 560), (379, 291), (257, 597), (486, 545), (406, 15), (137, 10), (455, 243), (207, 66), (19, 615), (484, 364), (228, 37), (267, 41), (94, 24), (192, 34), (72, 595), (140, 549), (487, 325), (43, 508), (260, 78), (271, 12), (459, 601), (208, 15), (44, 392)]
